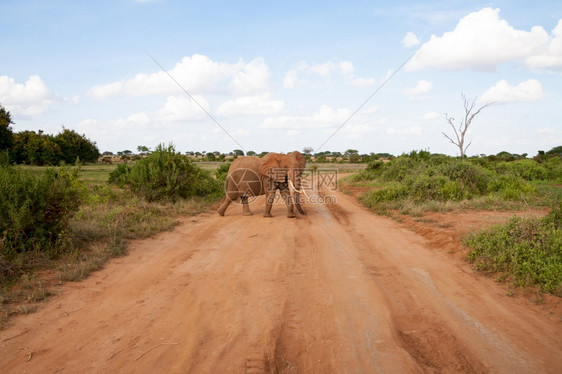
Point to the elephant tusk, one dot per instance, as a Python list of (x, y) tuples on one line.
[(292, 187)]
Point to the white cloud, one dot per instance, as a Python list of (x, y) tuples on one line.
[(182, 108), (546, 130), (481, 41), (197, 74), (429, 116), (30, 98), (503, 92), (421, 87), (116, 128), (102, 92), (291, 79), (369, 110), (344, 67), (382, 121), (325, 117), (414, 130), (304, 71), (251, 105), (357, 131), (251, 78), (362, 82), (410, 40), (551, 57)]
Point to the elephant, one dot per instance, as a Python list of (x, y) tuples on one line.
[(253, 176)]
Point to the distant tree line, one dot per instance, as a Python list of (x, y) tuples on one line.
[(38, 148)]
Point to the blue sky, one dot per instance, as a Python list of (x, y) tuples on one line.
[(286, 75)]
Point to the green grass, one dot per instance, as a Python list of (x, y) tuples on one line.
[(96, 174)]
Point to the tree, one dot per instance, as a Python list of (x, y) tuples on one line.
[(307, 150), (250, 153), (75, 146), (6, 134), (470, 112), (36, 149), (143, 150), (556, 151), (335, 155), (238, 152), (125, 155)]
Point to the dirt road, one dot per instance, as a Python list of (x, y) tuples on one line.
[(339, 290)]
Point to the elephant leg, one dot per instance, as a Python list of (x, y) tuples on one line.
[(224, 205), (288, 200), (245, 207), (230, 197), (269, 198)]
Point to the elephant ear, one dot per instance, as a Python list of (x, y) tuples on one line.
[(272, 168), (301, 161)]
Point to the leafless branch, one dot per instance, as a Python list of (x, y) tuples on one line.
[(470, 112)]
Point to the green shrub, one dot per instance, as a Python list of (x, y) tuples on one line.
[(528, 170), (472, 179), (222, 172), (510, 187), (393, 191), (36, 209), (527, 251), (120, 175), (166, 175), (553, 168), (426, 179)]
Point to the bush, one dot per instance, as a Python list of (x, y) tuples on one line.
[(553, 168), (222, 172), (422, 178), (373, 198), (166, 175), (472, 179), (36, 210), (527, 251), (529, 170), (510, 187)]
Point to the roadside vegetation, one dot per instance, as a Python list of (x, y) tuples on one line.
[(60, 224), (525, 252), (166, 175), (419, 181)]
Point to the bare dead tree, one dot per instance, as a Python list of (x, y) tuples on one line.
[(470, 111)]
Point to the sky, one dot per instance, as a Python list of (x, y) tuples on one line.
[(374, 76)]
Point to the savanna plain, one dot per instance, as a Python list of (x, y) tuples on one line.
[(405, 269)]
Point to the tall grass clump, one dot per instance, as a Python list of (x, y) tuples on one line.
[(166, 175), (35, 211), (526, 251)]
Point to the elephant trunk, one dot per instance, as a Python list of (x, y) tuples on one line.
[(298, 203)]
